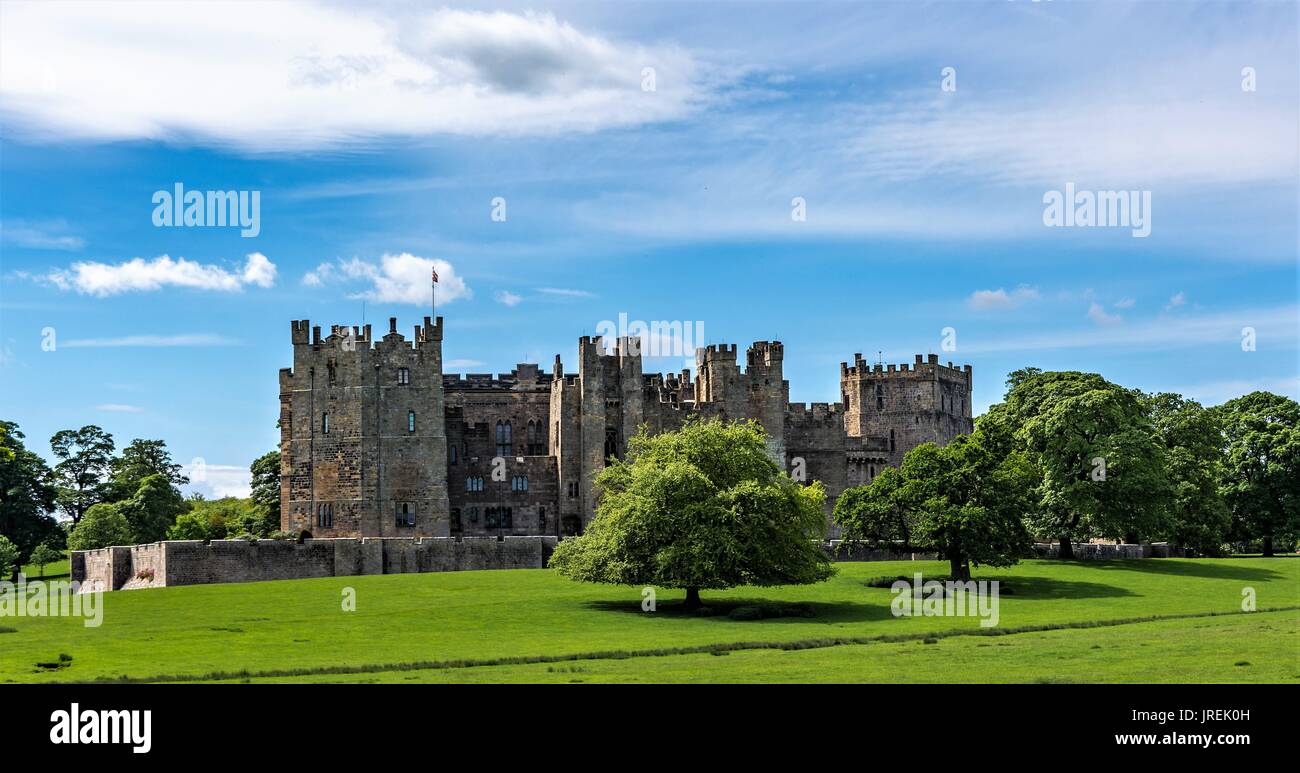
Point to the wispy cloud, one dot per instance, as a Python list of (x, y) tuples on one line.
[(565, 292), (150, 341), (40, 236), (464, 363), (219, 480), (508, 298), (140, 275), (1097, 313), (982, 300), (119, 408), (1176, 300)]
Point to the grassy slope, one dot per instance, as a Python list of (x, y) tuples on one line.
[(1263, 647), (482, 615)]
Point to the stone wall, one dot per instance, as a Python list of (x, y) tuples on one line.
[(1087, 551), (188, 562)]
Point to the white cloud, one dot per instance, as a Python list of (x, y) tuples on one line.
[(402, 278), (119, 408), (508, 298), (194, 339), (140, 275), (1125, 303), (565, 292), (41, 236), (220, 480), (982, 300), (1176, 300), (304, 75), (1097, 313), (463, 364)]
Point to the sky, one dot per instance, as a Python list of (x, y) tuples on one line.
[(872, 177)]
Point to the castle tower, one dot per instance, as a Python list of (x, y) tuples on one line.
[(768, 392), (363, 444), (902, 407)]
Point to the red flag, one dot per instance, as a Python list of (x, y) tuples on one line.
[(435, 276)]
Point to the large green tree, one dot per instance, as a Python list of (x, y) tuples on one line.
[(1261, 446), (266, 489), (1196, 515), (152, 510), (880, 512), (26, 496), (102, 526), (80, 475), (138, 461), (702, 507)]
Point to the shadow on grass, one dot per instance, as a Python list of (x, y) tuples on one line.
[(720, 610), (1037, 588), (1187, 568)]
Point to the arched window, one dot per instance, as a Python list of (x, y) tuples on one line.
[(504, 439), (451, 454), (611, 442), (535, 446)]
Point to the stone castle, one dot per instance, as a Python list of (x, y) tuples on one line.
[(377, 441)]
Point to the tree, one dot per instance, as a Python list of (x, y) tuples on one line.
[(26, 496), (878, 512), (1261, 446), (102, 526), (1102, 468), (191, 525), (266, 490), (138, 461), (9, 561), (152, 510), (1197, 515), (965, 499), (43, 555), (79, 477), (701, 507)]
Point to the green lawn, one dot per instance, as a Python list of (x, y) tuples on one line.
[(431, 626), (54, 570)]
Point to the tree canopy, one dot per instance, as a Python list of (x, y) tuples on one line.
[(1261, 448), (703, 507)]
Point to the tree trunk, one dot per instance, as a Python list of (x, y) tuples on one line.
[(692, 599), (958, 568), (1268, 546), (1067, 549)]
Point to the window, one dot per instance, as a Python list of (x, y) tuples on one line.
[(324, 423), (451, 454), (504, 439), (474, 483), (332, 367), (405, 514), (410, 421), (611, 442), (891, 441), (541, 519), (325, 515), (473, 515), (499, 518), (455, 520), (535, 446), (573, 489), (519, 483), (403, 376), (880, 397)]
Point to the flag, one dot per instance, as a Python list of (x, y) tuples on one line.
[(435, 275)]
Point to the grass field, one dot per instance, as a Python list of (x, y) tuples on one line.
[(1084, 621), (52, 571)]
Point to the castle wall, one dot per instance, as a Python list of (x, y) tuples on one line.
[(185, 562)]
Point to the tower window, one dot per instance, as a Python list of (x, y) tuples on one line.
[(325, 423), (455, 520), (403, 376), (891, 441), (325, 515), (880, 397), (474, 483), (405, 514), (451, 454), (519, 483), (410, 421), (505, 440)]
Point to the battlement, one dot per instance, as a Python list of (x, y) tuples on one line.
[(764, 354), (716, 353), (349, 339), (815, 411), (526, 375), (923, 364)]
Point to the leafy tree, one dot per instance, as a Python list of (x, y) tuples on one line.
[(1261, 445), (138, 461), (26, 496), (191, 525), (1197, 515), (44, 555), (702, 507), (266, 489), (226, 517), (152, 510), (85, 456), (1102, 467), (9, 562), (878, 512), (102, 526), (965, 499)]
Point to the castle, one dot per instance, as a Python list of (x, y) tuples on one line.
[(377, 441)]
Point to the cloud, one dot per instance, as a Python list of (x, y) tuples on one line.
[(290, 76), (1125, 303), (194, 339), (567, 293), (508, 298), (40, 236), (1097, 313), (1176, 300), (139, 275), (402, 278), (463, 363), (219, 480), (982, 300), (119, 408)]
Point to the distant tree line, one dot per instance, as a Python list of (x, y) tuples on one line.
[(1070, 456), (108, 499)]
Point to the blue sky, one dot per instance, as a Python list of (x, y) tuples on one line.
[(389, 132)]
